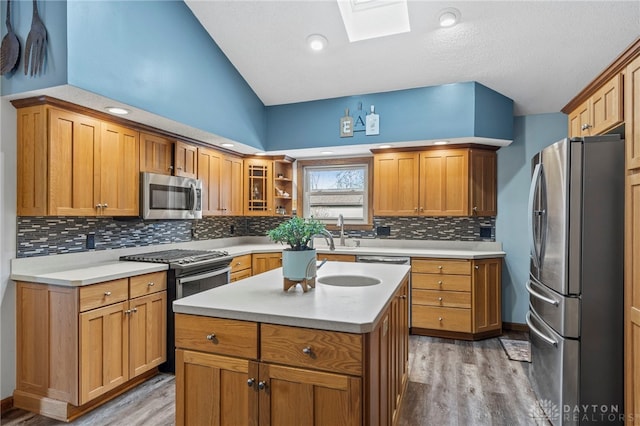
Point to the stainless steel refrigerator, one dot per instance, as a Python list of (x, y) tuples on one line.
[(575, 318)]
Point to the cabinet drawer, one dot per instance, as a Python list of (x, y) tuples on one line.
[(441, 282), (309, 348), (451, 299), (217, 335), (241, 262), (103, 294), (142, 285), (441, 266), (240, 275), (436, 318), (337, 257)]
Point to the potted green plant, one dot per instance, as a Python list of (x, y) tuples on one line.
[(297, 232)]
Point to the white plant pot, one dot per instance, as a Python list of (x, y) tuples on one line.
[(298, 265)]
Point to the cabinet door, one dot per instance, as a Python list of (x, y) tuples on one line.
[(262, 262), (104, 350), (578, 119), (395, 184), (258, 186), (295, 396), (632, 114), (74, 146), (606, 106), (147, 332), (156, 154), (209, 171), (119, 171), (212, 390), (483, 185), (632, 295), (186, 160), (444, 182), (231, 193), (32, 150), (486, 295)]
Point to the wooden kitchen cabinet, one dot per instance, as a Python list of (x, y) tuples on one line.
[(93, 342), (240, 267), (222, 181), (283, 186), (436, 182), (156, 154), (263, 262), (258, 187), (185, 160), (70, 164), (336, 257), (456, 298), (600, 112), (298, 375), (632, 114)]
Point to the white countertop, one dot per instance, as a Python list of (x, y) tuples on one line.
[(76, 269), (261, 298)]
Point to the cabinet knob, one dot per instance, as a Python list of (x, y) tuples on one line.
[(477, 267), (98, 206), (134, 310), (440, 283), (439, 266), (440, 299), (127, 312), (238, 263), (415, 208), (439, 318), (251, 382), (151, 284), (211, 336), (105, 205), (421, 209), (475, 209), (107, 293), (404, 296), (307, 350), (262, 385)]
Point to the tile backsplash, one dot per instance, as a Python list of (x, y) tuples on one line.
[(43, 236)]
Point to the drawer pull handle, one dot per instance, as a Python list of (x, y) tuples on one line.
[(439, 266), (439, 282), (107, 293), (251, 382), (307, 351), (439, 318), (262, 385), (151, 284), (211, 337), (440, 299)]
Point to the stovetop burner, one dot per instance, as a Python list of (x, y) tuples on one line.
[(177, 257)]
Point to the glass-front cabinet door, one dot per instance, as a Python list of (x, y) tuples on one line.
[(259, 187)]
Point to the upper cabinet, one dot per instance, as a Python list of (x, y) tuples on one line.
[(156, 154), (435, 182), (258, 187), (600, 112), (632, 114), (186, 160), (283, 186), (70, 164), (222, 181)]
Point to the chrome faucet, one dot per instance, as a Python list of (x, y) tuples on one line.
[(341, 225), (327, 237)]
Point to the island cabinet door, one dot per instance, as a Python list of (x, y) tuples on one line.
[(294, 396), (212, 390)]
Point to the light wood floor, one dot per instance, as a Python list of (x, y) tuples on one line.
[(451, 382)]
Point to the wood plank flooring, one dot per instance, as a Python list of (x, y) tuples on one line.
[(451, 382)]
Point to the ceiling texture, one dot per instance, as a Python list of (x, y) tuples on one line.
[(538, 53)]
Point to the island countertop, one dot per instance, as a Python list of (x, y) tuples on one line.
[(261, 298)]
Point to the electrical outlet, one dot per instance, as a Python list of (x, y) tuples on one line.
[(91, 241), (383, 231), (485, 232), (232, 229)]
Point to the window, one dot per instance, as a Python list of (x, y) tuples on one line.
[(331, 188)]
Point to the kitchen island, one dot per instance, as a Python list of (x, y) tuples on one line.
[(250, 353)]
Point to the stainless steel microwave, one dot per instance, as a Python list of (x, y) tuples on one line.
[(170, 197)]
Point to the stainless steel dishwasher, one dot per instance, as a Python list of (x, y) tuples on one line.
[(394, 260)]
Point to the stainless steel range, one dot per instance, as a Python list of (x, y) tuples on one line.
[(190, 272)]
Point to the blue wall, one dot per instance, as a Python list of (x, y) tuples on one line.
[(437, 112), (531, 134)]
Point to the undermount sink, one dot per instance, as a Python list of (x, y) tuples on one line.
[(348, 280)]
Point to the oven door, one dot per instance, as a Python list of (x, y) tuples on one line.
[(187, 285)]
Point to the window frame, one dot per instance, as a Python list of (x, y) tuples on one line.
[(329, 162)]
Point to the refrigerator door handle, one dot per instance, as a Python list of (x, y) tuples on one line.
[(540, 296), (537, 172), (538, 333)]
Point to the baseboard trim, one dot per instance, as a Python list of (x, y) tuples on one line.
[(6, 404), (514, 326), (455, 334)]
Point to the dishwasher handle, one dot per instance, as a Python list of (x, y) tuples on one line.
[(384, 259)]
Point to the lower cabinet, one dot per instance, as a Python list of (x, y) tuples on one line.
[(76, 346), (337, 257), (456, 298), (231, 372), (240, 267), (263, 262)]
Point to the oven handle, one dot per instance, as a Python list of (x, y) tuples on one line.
[(539, 333), (190, 278), (538, 295), (194, 201)]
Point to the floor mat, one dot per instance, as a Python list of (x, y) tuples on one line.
[(517, 350)]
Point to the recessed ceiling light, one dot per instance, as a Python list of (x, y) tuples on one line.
[(117, 110), (261, 153), (449, 17), (317, 42), (384, 146), (441, 142), (226, 145), (366, 19), (326, 152)]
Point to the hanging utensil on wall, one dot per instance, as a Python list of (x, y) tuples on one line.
[(36, 45), (10, 48)]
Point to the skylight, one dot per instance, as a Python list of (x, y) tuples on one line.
[(365, 19)]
